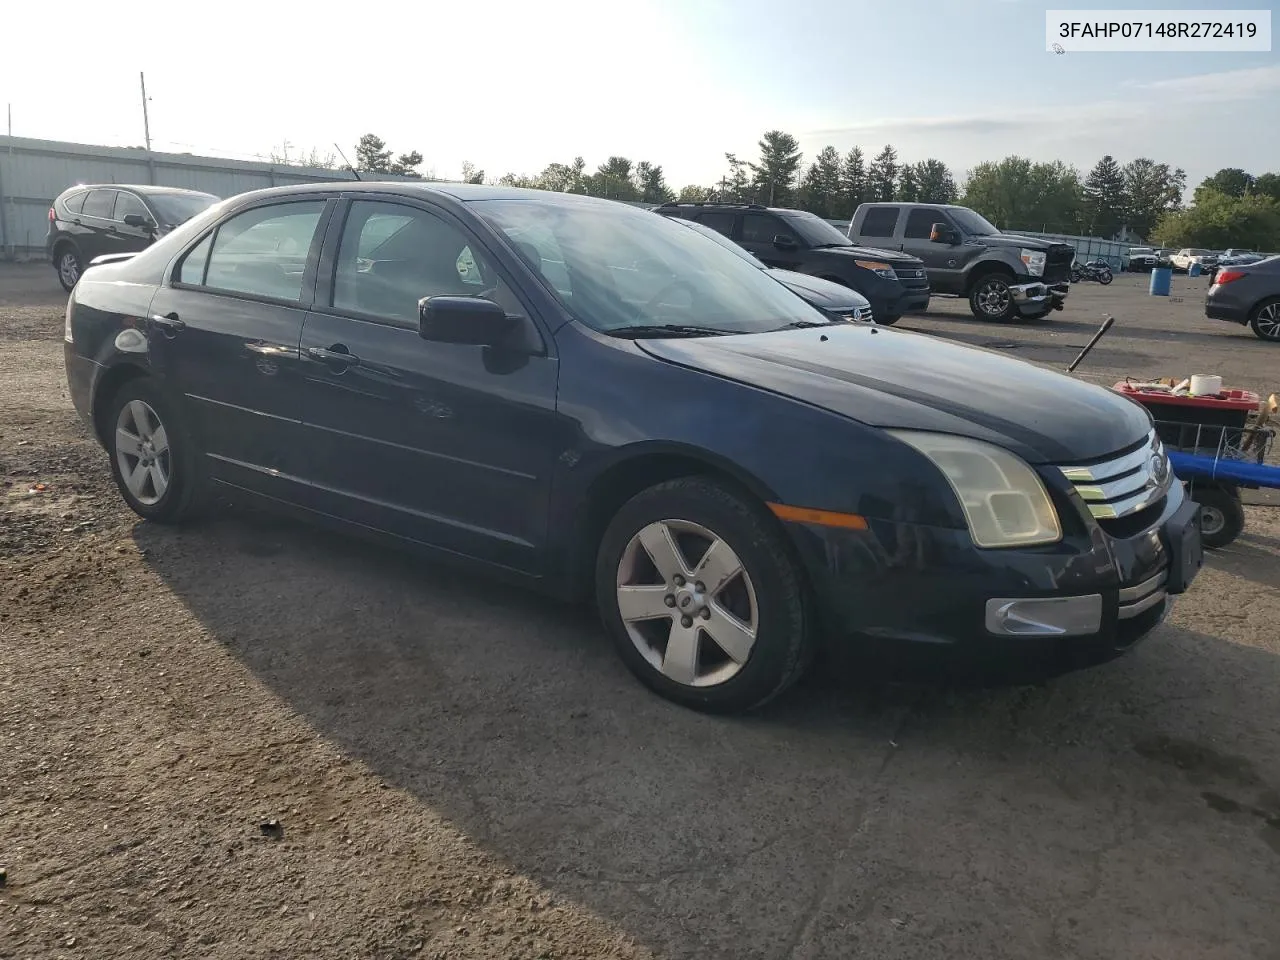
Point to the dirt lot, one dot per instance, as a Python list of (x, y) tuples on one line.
[(460, 770)]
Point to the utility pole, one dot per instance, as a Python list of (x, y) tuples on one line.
[(146, 123), (11, 119)]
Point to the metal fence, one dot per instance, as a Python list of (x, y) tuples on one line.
[(34, 172)]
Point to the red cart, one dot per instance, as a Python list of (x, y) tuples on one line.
[(1214, 449)]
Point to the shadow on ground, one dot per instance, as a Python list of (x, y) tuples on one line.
[(1130, 810)]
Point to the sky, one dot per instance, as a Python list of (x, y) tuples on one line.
[(512, 86)]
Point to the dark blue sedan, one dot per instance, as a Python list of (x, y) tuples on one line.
[(579, 395)]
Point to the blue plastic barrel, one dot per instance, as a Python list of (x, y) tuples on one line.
[(1161, 281), (1193, 270)]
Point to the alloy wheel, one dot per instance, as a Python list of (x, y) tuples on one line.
[(687, 602), (69, 269), (1267, 322), (994, 297), (142, 452)]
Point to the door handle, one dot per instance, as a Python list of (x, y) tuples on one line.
[(169, 324), (337, 354)]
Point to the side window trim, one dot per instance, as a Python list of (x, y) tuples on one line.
[(306, 296), (327, 266)]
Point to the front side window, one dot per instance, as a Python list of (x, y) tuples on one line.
[(262, 252), (391, 256), (920, 223), (636, 274), (129, 205), (100, 204), (762, 228)]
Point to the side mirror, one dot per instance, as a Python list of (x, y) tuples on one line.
[(471, 320), (941, 233), (783, 242), (138, 220)]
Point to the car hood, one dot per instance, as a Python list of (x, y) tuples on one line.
[(873, 253), (821, 293), (894, 379), (1030, 243)]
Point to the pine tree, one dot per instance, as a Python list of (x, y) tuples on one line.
[(853, 184), (774, 177), (882, 177), (1104, 197)]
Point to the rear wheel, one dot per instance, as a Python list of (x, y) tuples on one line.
[(1105, 277), (67, 260), (1265, 320), (153, 459), (700, 595), (1221, 515), (991, 298)]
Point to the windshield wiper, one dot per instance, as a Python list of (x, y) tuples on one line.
[(667, 330), (806, 324)]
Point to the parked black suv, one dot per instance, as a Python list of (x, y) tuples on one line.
[(94, 220), (797, 240), (1003, 276)]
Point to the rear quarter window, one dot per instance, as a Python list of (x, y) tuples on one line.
[(879, 222), (75, 202)]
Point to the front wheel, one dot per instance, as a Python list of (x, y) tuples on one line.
[(1265, 321), (700, 595), (992, 299), (1221, 515), (1105, 277)]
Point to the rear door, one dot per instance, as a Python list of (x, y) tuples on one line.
[(446, 444), (224, 331), (95, 219), (126, 238)]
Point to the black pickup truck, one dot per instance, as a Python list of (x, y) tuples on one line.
[(1004, 277)]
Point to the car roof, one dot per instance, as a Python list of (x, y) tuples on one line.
[(147, 189)]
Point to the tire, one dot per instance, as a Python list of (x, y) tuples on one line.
[(1264, 320), (768, 594), (889, 321), (991, 299), (67, 262), (141, 424), (1105, 277), (1221, 515)]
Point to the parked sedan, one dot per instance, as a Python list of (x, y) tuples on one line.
[(93, 220), (833, 299), (1248, 293), (578, 395)]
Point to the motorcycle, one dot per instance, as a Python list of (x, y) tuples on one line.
[(1096, 270)]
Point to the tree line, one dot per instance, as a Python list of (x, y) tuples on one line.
[(1230, 208)]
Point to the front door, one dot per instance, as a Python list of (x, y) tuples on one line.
[(943, 261), (449, 445), (226, 328), (772, 240), (125, 237), (96, 221)]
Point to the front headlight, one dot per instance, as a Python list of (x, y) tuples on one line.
[(1004, 501), (878, 268), (1034, 261)]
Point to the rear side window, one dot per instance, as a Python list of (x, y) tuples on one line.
[(261, 252), (879, 222), (100, 203), (919, 224), (719, 221), (75, 202), (194, 263)]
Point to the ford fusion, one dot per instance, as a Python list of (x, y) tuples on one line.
[(576, 394)]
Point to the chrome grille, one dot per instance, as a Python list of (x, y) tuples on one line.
[(1123, 484), (857, 315)]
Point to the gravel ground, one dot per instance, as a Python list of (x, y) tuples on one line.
[(249, 739)]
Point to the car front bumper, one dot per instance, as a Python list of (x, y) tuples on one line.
[(1082, 601), (1035, 298)]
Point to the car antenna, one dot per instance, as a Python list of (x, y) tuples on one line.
[(354, 173)]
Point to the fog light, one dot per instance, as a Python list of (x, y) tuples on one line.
[(1045, 616)]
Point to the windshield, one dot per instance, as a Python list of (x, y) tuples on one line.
[(815, 231), (974, 224), (721, 239), (626, 272), (176, 208)]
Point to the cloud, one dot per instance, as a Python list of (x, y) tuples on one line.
[(1226, 85)]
